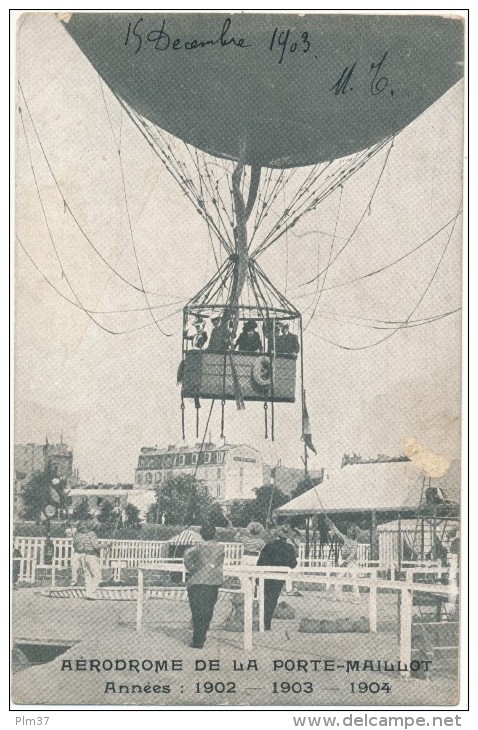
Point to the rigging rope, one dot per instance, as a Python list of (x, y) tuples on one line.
[(140, 275), (387, 266), (100, 311), (423, 295), (68, 208), (374, 191), (328, 262), (405, 325), (50, 234)]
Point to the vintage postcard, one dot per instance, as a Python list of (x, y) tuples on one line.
[(238, 254)]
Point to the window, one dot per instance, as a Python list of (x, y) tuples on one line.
[(207, 458), (157, 476), (117, 501), (149, 477), (169, 474), (219, 473), (179, 460), (220, 457), (168, 462), (151, 463), (139, 478), (218, 490), (194, 458)]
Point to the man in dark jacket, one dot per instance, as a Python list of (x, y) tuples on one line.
[(249, 340), (277, 553)]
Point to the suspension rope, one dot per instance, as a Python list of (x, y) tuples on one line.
[(421, 298), (99, 311), (133, 243), (69, 210), (389, 265), (197, 405), (328, 262), (52, 240), (183, 427), (365, 212)]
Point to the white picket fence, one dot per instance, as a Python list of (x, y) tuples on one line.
[(313, 561), (120, 554)]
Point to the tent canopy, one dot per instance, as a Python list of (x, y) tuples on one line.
[(186, 537), (384, 487)]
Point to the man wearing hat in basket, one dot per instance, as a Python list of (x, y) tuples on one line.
[(249, 340)]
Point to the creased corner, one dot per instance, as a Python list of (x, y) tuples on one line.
[(434, 465)]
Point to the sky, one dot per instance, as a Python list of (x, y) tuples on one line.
[(108, 395)]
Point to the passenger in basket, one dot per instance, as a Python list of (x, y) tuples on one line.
[(205, 563), (196, 333), (287, 343), (279, 552), (220, 337), (249, 340)]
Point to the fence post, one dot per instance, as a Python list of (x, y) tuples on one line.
[(260, 595), (139, 602), (248, 603), (373, 602), (406, 627), (288, 584)]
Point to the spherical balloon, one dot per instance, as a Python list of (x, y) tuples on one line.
[(274, 90)]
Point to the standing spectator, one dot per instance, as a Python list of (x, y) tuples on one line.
[(86, 545), (277, 553), (253, 543), (205, 563), (70, 531), (348, 563), (17, 556)]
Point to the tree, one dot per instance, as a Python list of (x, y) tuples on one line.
[(131, 513), (39, 492), (81, 511), (216, 516), (304, 485), (242, 512), (267, 499), (182, 500), (107, 514), (153, 515)]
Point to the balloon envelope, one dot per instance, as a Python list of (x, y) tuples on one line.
[(295, 91)]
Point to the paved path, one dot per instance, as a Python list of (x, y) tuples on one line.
[(105, 630)]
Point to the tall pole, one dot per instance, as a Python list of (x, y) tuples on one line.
[(306, 456)]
